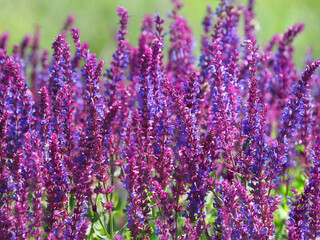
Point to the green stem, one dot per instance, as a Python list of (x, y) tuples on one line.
[(102, 225), (123, 227), (111, 225), (176, 218), (105, 230), (111, 195), (153, 213)]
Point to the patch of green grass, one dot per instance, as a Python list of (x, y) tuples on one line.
[(98, 21)]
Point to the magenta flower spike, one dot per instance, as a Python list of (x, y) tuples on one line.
[(4, 39), (181, 59), (249, 20), (115, 74)]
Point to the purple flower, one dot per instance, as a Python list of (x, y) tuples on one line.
[(192, 152), (115, 73)]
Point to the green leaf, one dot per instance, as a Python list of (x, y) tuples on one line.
[(122, 229), (300, 148)]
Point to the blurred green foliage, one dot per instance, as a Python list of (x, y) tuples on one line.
[(97, 20)]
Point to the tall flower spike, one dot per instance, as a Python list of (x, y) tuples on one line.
[(34, 62), (147, 33), (138, 182), (207, 22), (295, 107), (291, 117), (4, 39), (35, 160), (44, 114), (20, 209), (70, 20), (249, 21), (20, 105), (285, 64), (144, 81), (181, 46), (24, 44), (206, 43), (93, 146), (80, 50), (115, 73), (56, 79), (68, 105), (145, 41), (250, 122), (56, 183)]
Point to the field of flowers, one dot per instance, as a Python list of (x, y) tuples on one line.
[(158, 144)]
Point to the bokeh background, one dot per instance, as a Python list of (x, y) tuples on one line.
[(97, 20)]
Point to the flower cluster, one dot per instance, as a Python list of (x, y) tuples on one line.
[(155, 149)]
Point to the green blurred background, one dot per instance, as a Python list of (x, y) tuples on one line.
[(97, 20)]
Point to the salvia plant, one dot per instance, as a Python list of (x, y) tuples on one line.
[(151, 147)]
